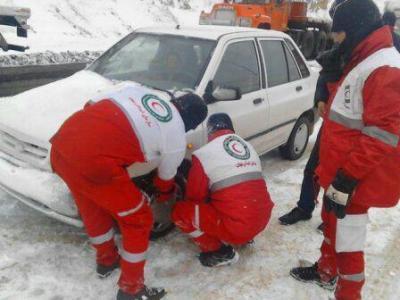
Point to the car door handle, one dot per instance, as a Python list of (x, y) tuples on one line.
[(299, 88), (258, 101)]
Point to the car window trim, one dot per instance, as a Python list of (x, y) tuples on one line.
[(286, 41), (265, 62), (294, 60), (237, 40)]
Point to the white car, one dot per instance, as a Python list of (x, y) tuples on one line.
[(256, 76)]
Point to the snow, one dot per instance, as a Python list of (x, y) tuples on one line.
[(41, 258), (79, 25)]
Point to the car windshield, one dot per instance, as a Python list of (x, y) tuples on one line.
[(161, 61)]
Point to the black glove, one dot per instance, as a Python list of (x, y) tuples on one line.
[(339, 193)]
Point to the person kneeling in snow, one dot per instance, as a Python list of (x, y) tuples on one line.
[(227, 201)]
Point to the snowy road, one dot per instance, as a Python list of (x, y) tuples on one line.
[(44, 259)]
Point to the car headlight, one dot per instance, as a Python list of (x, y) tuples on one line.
[(245, 22)]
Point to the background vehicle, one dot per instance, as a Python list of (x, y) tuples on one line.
[(256, 76), (15, 17), (289, 16)]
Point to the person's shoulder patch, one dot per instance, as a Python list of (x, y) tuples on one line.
[(157, 107), (236, 148)]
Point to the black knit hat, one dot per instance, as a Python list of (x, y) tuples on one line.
[(352, 16), (192, 109), (219, 121)]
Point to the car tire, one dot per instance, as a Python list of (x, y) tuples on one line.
[(298, 140), (163, 224)]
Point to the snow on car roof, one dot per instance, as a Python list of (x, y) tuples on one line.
[(209, 31)]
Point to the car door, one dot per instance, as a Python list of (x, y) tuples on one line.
[(240, 67), (285, 89)]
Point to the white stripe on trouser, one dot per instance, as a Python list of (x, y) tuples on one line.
[(351, 233), (133, 257), (102, 238), (353, 277), (195, 234), (196, 224), (132, 210), (197, 216)]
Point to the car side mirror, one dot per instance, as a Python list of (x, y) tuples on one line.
[(215, 94), (226, 94)]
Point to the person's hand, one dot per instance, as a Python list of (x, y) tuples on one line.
[(338, 195), (321, 108)]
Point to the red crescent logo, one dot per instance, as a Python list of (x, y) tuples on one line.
[(155, 104), (235, 149)]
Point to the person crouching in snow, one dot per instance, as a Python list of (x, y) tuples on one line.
[(359, 164), (227, 201), (91, 152)]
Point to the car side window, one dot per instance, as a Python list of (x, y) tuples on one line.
[(239, 68), (275, 61), (299, 60), (294, 73)]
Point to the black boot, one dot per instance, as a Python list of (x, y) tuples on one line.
[(294, 216), (310, 274), (223, 256), (145, 293), (105, 271)]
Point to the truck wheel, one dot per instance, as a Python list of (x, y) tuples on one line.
[(307, 44), (298, 140), (321, 39)]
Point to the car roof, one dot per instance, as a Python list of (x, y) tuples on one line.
[(210, 32)]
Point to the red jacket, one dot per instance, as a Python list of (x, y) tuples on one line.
[(369, 159), (244, 208)]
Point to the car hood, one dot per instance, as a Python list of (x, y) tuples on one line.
[(35, 115)]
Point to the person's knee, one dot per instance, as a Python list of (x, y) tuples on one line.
[(143, 218), (181, 214)]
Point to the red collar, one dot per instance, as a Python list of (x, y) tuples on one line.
[(377, 40), (219, 133)]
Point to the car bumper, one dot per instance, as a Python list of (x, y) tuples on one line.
[(41, 190)]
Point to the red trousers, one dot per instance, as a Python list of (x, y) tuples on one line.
[(342, 251), (100, 206), (205, 225)]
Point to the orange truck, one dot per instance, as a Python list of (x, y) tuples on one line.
[(290, 16)]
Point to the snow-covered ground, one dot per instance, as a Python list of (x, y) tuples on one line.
[(43, 259)]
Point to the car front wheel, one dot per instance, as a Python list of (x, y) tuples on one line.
[(298, 140)]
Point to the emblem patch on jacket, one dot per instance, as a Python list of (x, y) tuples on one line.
[(157, 107), (236, 148)]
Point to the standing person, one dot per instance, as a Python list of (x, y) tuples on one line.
[(227, 201), (359, 152), (331, 71), (389, 18), (91, 152)]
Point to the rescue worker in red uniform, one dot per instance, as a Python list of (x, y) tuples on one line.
[(227, 201), (359, 152), (133, 126)]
